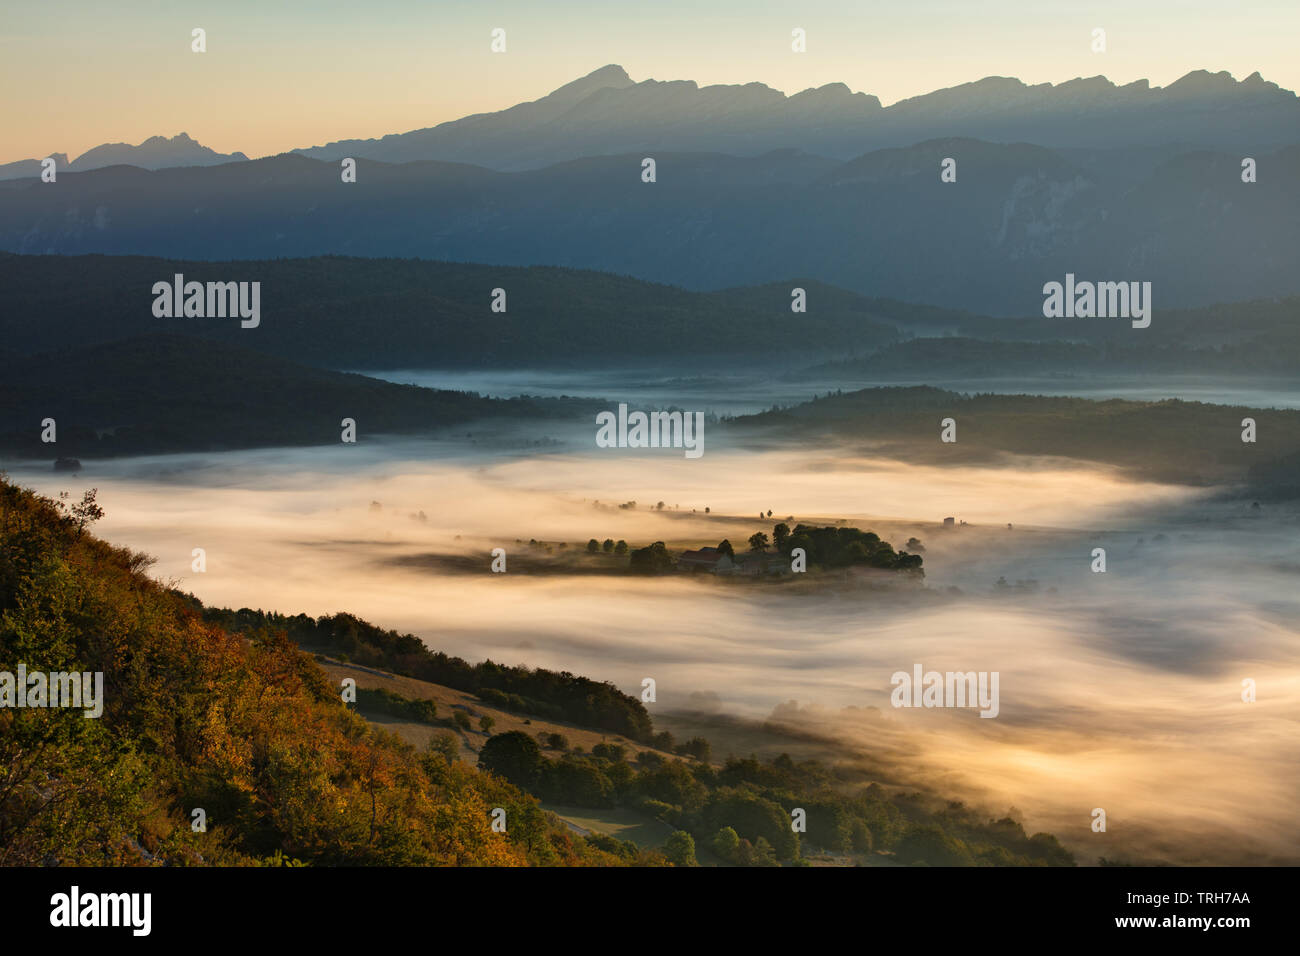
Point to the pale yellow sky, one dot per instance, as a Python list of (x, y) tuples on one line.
[(76, 74)]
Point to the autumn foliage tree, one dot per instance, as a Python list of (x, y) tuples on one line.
[(245, 727)]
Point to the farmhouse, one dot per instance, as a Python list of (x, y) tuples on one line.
[(709, 560), (756, 563)]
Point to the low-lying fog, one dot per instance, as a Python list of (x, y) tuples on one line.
[(1120, 690), (746, 391)]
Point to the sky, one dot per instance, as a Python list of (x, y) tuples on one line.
[(278, 76)]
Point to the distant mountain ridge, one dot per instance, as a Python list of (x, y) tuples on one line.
[(883, 224), (156, 152), (606, 113), (31, 167)]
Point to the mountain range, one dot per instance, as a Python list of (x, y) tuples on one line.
[(606, 113), (156, 152), (883, 224), (1110, 183)]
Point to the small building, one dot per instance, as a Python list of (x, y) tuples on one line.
[(949, 522), (709, 560), (757, 563)]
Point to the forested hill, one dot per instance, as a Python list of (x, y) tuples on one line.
[(350, 313), (246, 728), (1182, 442), (172, 393), (542, 693)]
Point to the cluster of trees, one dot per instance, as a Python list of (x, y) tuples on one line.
[(387, 702), (839, 548), (245, 727), (541, 693), (608, 546), (743, 811), (604, 778), (825, 548), (652, 559)]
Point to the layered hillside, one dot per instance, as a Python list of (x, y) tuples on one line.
[(246, 728)]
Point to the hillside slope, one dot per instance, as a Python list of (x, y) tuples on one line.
[(166, 393), (248, 729), (401, 313), (1189, 443)]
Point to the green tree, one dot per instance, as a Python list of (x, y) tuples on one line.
[(696, 747), (928, 843), (609, 751), (513, 755), (621, 547), (726, 843), (593, 546), (758, 541), (486, 723), (781, 538), (673, 783), (445, 744), (753, 816), (577, 781), (829, 825), (861, 835), (764, 854), (653, 559), (680, 849)]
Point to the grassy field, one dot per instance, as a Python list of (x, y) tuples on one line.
[(619, 822), (449, 701)]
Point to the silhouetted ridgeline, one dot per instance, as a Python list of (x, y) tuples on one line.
[(1171, 440), (1273, 322), (542, 693), (1274, 352), (607, 112), (170, 393)]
